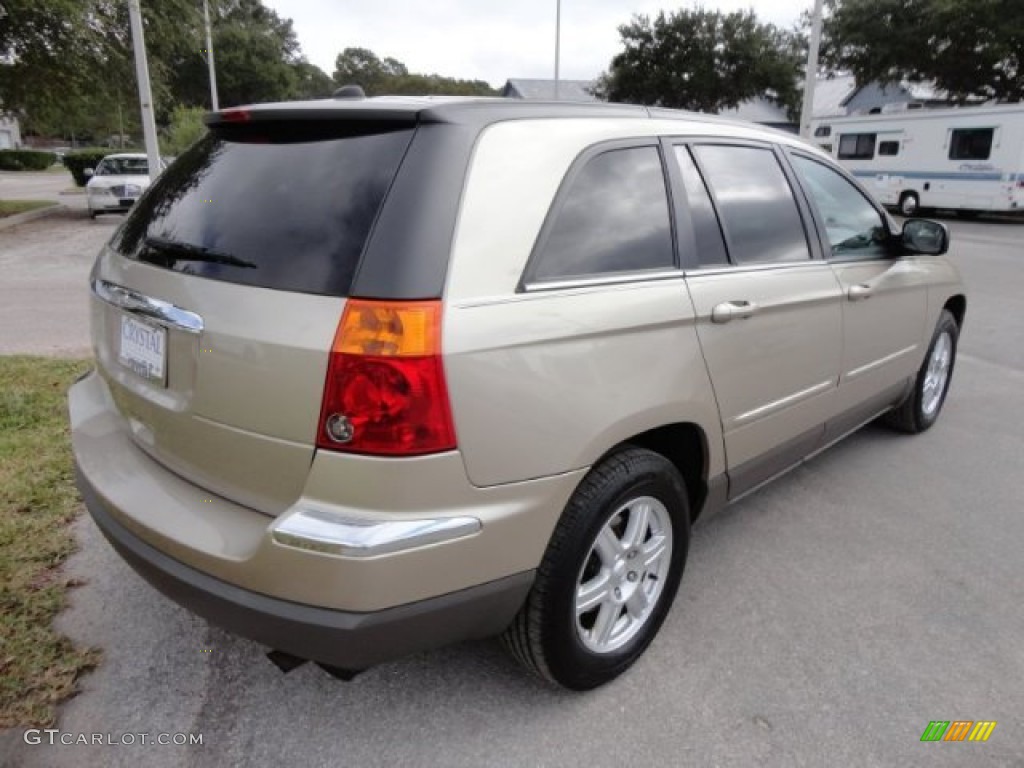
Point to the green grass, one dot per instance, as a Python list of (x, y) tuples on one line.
[(11, 207), (38, 501)]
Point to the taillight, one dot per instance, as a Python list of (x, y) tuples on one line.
[(385, 392), (236, 116)]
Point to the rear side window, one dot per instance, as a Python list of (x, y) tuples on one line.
[(274, 206), (755, 204), (857, 146), (613, 217), (971, 144), (888, 148)]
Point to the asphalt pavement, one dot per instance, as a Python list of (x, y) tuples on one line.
[(823, 621), (44, 269), (30, 185)]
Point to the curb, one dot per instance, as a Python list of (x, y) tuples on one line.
[(21, 218)]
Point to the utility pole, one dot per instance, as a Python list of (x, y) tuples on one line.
[(145, 95), (209, 56), (807, 111), (558, 41)]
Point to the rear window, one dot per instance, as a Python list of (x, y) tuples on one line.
[(275, 206)]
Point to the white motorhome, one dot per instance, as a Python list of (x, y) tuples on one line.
[(969, 159)]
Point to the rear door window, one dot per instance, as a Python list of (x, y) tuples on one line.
[(613, 217), (288, 207), (755, 204)]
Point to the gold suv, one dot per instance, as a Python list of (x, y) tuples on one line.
[(376, 375)]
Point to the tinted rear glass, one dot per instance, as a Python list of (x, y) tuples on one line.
[(281, 207), (614, 218), (755, 204)]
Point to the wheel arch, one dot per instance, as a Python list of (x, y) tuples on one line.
[(685, 444), (957, 306), (907, 193)]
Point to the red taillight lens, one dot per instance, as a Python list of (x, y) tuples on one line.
[(236, 116), (385, 392)]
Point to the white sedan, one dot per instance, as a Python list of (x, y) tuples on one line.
[(116, 183)]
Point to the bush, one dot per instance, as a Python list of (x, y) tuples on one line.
[(80, 159), (186, 129), (25, 160)]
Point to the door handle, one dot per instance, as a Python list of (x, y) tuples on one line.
[(731, 310), (859, 292)]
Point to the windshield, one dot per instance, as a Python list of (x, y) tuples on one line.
[(123, 166), (282, 207)]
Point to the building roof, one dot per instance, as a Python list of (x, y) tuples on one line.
[(568, 90), (832, 93)]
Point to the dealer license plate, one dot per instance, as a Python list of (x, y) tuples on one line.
[(143, 348)]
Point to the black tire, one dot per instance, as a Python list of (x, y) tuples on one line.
[(544, 636), (910, 204), (92, 214), (911, 416)]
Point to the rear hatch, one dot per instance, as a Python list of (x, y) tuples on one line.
[(216, 302)]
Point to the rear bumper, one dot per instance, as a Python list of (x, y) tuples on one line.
[(341, 638), (335, 594)]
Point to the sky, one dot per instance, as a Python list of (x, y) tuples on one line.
[(490, 40)]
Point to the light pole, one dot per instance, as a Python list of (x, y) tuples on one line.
[(209, 56), (558, 41), (811, 79), (145, 95)]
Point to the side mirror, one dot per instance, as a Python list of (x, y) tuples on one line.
[(88, 172), (924, 236)]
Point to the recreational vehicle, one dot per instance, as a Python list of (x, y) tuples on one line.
[(968, 160)]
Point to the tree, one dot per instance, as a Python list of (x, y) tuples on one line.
[(311, 82), (361, 66), (376, 76), (172, 31), (256, 53), (704, 60), (47, 50), (67, 66), (969, 48)]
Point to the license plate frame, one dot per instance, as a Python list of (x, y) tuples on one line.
[(142, 349)]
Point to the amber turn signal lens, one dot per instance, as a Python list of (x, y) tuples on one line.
[(390, 329)]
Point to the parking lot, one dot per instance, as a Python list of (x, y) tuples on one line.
[(824, 620)]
